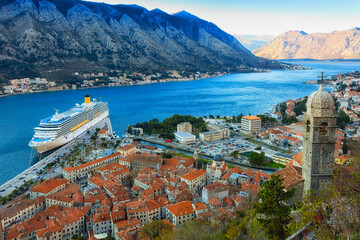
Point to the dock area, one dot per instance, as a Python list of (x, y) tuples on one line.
[(32, 173)]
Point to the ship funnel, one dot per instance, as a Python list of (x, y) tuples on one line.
[(87, 98)]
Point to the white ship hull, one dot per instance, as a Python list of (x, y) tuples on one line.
[(60, 141)]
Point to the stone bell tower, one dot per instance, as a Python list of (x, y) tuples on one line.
[(318, 141)]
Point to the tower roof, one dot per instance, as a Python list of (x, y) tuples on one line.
[(320, 99), (320, 103)]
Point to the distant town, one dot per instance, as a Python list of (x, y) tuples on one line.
[(91, 80), (113, 78), (174, 171)]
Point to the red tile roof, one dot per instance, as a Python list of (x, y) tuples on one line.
[(215, 202), (215, 185), (70, 169), (49, 185), (194, 174), (200, 206), (292, 176), (181, 208)]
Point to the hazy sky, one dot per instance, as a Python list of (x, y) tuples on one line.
[(264, 16)]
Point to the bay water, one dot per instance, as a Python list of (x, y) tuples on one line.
[(247, 93)]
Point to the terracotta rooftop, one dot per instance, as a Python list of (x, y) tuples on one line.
[(194, 174), (127, 147), (200, 206), (215, 202), (250, 188), (70, 194), (226, 176), (172, 162), (298, 158), (181, 208), (292, 176), (215, 185), (49, 185), (16, 206), (88, 164), (111, 167), (236, 170), (128, 223), (251, 117), (102, 217)]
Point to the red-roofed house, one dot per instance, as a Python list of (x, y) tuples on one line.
[(200, 208), (180, 213), (292, 176), (48, 187), (195, 179), (102, 223)]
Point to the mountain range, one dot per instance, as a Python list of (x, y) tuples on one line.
[(320, 46), (56, 37), (253, 42)]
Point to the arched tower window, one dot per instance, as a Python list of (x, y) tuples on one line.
[(308, 126), (324, 128)]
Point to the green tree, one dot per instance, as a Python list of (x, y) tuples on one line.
[(300, 106), (271, 210), (235, 154), (345, 147), (342, 119), (154, 229), (257, 159)]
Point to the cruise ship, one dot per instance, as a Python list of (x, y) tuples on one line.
[(61, 128)]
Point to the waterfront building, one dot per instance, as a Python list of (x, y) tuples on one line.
[(75, 173), (281, 158), (184, 127), (214, 190), (180, 213), (48, 187), (319, 141), (211, 136), (250, 124), (185, 137)]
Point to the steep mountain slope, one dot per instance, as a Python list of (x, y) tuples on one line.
[(298, 44), (72, 35), (253, 42)]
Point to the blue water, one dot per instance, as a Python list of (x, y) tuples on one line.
[(227, 95)]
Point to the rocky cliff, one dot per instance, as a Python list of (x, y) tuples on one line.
[(72, 35), (298, 44)]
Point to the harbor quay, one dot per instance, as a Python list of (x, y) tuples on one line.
[(38, 170)]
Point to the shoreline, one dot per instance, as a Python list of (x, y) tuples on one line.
[(158, 81), (124, 85)]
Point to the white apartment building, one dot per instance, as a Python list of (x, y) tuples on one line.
[(250, 124)]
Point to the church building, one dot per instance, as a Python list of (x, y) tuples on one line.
[(315, 171)]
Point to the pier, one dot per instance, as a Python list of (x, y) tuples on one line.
[(31, 172)]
